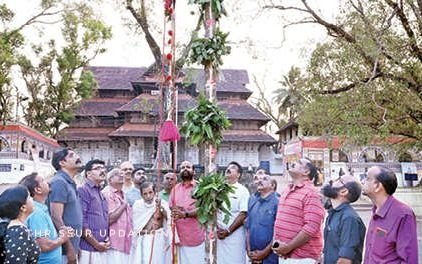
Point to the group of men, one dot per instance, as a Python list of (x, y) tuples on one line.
[(390, 237), (129, 222)]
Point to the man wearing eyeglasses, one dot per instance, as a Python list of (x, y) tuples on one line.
[(95, 241), (391, 236), (262, 209), (297, 229), (344, 230)]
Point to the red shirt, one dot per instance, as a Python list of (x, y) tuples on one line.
[(189, 230), (300, 209)]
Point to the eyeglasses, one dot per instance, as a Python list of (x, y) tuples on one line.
[(185, 167), (98, 168), (339, 180)]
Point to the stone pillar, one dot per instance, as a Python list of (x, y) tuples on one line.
[(136, 150)]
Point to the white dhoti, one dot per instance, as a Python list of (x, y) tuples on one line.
[(191, 255), (116, 256), (232, 249), (88, 257), (151, 249)]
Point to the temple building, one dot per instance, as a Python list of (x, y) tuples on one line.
[(334, 156), (121, 122)]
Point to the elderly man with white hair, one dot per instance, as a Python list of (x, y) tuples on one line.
[(120, 219)]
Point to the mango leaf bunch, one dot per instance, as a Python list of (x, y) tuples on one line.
[(205, 123), (216, 6), (207, 51), (212, 194)]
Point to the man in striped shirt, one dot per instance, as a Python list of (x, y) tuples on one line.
[(300, 214)]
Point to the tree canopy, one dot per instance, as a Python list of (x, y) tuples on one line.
[(366, 81), (52, 71)]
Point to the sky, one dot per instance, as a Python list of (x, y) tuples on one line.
[(259, 43)]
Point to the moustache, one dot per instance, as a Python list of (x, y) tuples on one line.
[(186, 174)]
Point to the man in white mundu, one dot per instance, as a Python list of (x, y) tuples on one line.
[(151, 244), (231, 242)]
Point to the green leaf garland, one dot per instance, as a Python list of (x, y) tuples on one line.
[(212, 194), (204, 124)]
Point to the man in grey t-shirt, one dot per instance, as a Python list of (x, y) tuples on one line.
[(65, 206)]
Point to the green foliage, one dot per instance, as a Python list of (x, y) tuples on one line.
[(207, 51), (11, 40), (291, 94), (205, 123), (366, 82), (216, 6), (212, 194), (58, 82), (6, 14)]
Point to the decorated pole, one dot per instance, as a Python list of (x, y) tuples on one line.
[(205, 123), (168, 96), (210, 85)]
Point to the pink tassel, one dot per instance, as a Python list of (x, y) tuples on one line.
[(169, 131)]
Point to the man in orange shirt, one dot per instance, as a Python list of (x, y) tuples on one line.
[(300, 214)]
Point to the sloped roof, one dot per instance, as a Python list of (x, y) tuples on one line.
[(136, 130), (237, 109), (15, 128), (116, 78), (85, 134), (230, 80), (121, 78), (144, 101), (291, 123), (256, 135), (100, 106)]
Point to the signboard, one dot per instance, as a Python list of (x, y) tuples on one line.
[(335, 155), (409, 172), (293, 148)]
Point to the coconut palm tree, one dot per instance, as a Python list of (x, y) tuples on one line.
[(291, 93)]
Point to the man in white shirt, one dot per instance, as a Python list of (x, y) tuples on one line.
[(231, 242)]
